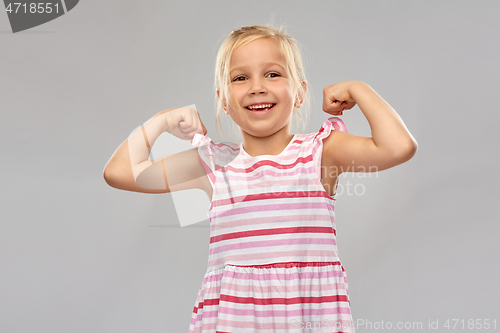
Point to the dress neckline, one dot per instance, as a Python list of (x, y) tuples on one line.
[(284, 150)]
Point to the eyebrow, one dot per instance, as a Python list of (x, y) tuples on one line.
[(266, 64)]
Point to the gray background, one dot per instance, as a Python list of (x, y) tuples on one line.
[(76, 255)]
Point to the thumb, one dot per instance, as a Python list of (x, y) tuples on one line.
[(329, 105)]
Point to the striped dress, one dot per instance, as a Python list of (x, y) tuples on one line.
[(273, 264)]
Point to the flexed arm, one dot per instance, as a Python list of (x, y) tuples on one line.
[(391, 142), (130, 168)]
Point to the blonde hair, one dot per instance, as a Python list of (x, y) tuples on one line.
[(289, 49)]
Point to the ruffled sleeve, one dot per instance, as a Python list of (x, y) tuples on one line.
[(332, 123), (215, 157), (206, 149)]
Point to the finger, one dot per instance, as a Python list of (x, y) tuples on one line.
[(189, 123), (330, 105), (190, 135), (185, 120), (195, 126), (187, 126), (345, 106), (332, 108), (202, 126)]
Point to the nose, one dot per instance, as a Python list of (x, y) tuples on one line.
[(257, 86)]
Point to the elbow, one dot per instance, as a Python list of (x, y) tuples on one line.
[(406, 151), (109, 176), (411, 148)]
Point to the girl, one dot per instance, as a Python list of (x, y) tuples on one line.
[(273, 263)]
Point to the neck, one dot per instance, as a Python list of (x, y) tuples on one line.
[(273, 144)]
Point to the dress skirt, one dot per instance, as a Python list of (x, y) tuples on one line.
[(280, 297)]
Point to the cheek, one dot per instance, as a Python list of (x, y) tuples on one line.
[(288, 92), (237, 94), (235, 97), (288, 95)]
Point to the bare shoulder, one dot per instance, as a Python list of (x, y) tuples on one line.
[(351, 153)]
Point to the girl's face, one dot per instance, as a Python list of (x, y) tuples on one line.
[(259, 75)]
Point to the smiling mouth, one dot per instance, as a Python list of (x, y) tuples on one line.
[(260, 109)]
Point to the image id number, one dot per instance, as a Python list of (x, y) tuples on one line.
[(472, 324), (32, 8)]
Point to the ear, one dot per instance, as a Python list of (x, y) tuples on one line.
[(300, 97), (223, 105)]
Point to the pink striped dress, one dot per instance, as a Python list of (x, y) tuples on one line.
[(273, 264)]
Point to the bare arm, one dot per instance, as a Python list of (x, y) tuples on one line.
[(130, 168), (391, 142)]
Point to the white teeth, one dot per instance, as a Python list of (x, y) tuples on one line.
[(262, 106)]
